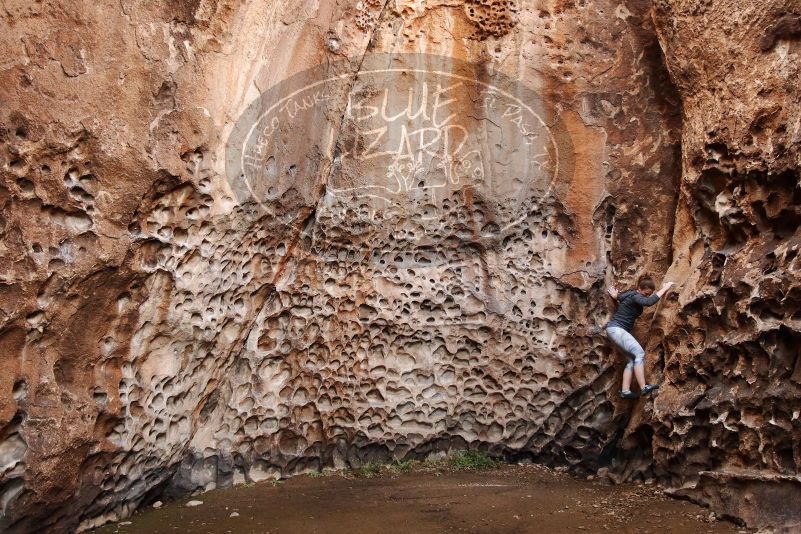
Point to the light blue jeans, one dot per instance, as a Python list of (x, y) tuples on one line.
[(628, 344)]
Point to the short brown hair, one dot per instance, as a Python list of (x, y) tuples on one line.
[(646, 282)]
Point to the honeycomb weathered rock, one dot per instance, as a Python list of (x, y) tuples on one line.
[(165, 327), (726, 424)]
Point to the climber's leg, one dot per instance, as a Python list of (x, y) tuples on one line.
[(639, 369), (639, 372), (628, 344), (627, 376)]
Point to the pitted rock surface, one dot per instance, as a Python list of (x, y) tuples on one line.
[(726, 423), (167, 328)]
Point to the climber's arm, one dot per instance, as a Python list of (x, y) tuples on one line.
[(613, 292), (653, 299), (665, 288)]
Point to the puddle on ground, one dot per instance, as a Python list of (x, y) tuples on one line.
[(512, 499)]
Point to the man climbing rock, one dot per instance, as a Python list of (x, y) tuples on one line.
[(629, 307)]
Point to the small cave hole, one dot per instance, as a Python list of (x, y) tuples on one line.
[(20, 390)]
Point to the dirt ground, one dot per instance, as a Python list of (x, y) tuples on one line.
[(511, 499)]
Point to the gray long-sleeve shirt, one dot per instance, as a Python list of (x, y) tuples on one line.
[(630, 305)]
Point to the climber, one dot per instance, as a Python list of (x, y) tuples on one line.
[(630, 304)]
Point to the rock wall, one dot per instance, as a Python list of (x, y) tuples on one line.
[(726, 424), (185, 304)]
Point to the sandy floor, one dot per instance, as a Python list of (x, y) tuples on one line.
[(513, 499)]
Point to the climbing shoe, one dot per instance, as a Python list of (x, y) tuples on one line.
[(648, 389), (628, 395)]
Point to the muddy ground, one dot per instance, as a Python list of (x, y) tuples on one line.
[(511, 499)]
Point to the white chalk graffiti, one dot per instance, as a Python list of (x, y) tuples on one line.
[(400, 133)]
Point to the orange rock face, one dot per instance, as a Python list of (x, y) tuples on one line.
[(244, 240)]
